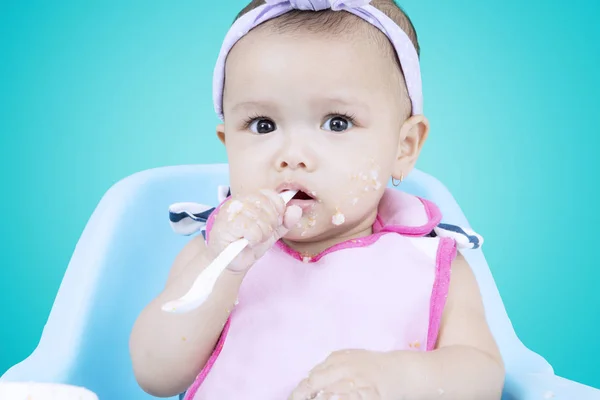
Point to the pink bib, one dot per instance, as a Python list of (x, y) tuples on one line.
[(383, 292)]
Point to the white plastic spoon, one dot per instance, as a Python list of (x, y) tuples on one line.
[(205, 282)]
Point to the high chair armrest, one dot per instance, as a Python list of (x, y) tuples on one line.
[(540, 386)]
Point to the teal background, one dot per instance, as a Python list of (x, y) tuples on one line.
[(91, 92)]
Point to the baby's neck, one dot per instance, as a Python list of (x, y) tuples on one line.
[(315, 247)]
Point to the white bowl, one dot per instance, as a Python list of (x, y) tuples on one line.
[(43, 391)]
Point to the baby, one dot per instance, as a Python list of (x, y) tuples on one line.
[(345, 292)]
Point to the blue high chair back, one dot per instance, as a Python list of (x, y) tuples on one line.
[(124, 255)]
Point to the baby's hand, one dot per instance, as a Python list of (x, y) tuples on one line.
[(262, 219), (350, 375)]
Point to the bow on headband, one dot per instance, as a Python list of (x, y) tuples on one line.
[(319, 5), (407, 54)]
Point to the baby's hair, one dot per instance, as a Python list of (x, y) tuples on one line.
[(340, 22)]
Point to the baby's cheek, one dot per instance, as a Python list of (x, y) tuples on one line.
[(365, 184), (360, 191)]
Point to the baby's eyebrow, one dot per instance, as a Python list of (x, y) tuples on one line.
[(342, 102), (327, 102), (253, 104)]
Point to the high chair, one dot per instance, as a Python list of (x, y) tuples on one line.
[(122, 260)]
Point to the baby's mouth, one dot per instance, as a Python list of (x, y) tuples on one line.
[(304, 199), (301, 195)]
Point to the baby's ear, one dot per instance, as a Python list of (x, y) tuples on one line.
[(413, 134), (221, 132)]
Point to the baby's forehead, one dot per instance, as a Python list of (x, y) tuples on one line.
[(304, 57)]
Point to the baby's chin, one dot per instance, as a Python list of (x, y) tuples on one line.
[(309, 230), (302, 235)]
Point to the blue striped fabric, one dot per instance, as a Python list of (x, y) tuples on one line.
[(465, 238), (189, 218)]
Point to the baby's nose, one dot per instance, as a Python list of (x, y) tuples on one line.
[(292, 164), (295, 158)]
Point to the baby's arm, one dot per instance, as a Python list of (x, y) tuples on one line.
[(466, 363), (169, 350)]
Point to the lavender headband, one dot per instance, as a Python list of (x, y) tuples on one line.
[(405, 50)]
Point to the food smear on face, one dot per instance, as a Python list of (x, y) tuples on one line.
[(338, 218)]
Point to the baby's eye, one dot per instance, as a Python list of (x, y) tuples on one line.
[(262, 126), (337, 124)]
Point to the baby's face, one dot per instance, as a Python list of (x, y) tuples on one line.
[(322, 114)]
